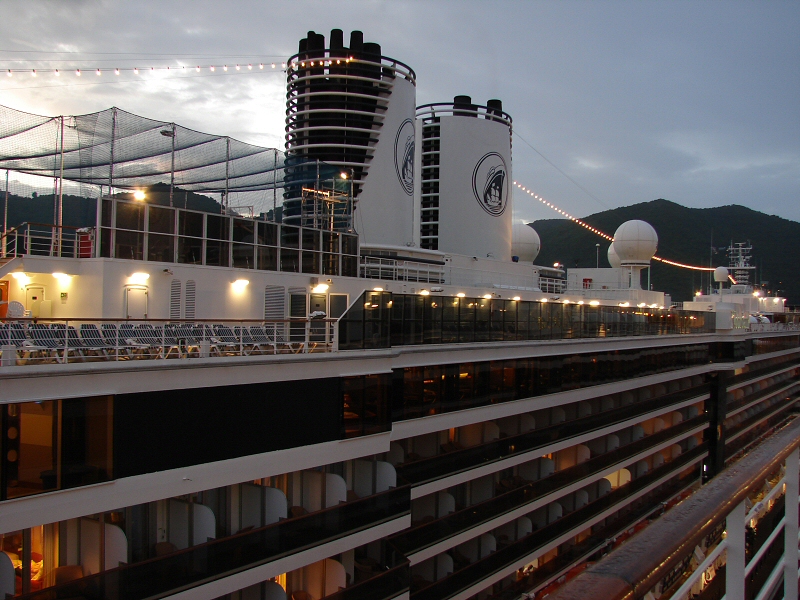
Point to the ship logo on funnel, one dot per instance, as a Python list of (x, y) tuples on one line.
[(404, 155), (489, 183)]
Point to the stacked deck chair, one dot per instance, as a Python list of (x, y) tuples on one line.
[(262, 340), (94, 341)]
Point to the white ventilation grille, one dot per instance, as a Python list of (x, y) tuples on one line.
[(189, 308), (274, 302), (175, 300)]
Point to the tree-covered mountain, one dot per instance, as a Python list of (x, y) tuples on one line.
[(81, 212), (696, 236)]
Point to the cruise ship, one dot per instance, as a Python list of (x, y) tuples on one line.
[(371, 391)]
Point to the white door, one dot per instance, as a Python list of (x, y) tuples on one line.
[(135, 303), (33, 298)]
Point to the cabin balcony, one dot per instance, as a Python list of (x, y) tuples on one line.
[(263, 551), (560, 538), (435, 470), (534, 485)]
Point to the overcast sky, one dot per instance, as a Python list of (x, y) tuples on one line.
[(696, 102)]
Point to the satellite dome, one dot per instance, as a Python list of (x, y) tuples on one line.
[(613, 259), (525, 242), (635, 242), (720, 274)]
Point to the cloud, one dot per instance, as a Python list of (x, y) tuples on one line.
[(694, 102)]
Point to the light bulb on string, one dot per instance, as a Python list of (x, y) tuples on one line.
[(283, 65), (249, 67), (33, 73), (197, 68), (78, 72), (224, 67), (9, 73), (211, 67), (57, 73), (116, 71), (135, 71), (237, 67)]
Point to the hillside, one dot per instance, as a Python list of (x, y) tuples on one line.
[(684, 235), (81, 212)]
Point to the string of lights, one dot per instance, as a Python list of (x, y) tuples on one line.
[(681, 265), (564, 213), (600, 233), (99, 71)]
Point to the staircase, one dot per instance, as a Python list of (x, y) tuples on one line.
[(8, 264)]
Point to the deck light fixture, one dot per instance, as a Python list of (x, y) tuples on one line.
[(460, 295), (139, 278), (320, 288), (139, 195), (21, 278), (424, 293), (239, 285), (594, 303)]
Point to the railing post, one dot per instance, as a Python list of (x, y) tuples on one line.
[(735, 562), (790, 528), (66, 342)]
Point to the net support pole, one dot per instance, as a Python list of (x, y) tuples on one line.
[(227, 173), (274, 184), (5, 218), (172, 170), (111, 164), (98, 222), (61, 190)]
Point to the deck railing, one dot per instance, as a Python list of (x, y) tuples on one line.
[(31, 341), (40, 239)]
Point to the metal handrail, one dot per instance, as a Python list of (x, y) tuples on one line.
[(637, 566)]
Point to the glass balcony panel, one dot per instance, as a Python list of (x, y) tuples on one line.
[(218, 227), (160, 219), (129, 245), (267, 258), (268, 234), (160, 248), (244, 256), (130, 216), (244, 230), (217, 253), (190, 251), (190, 224), (311, 262), (290, 260)]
